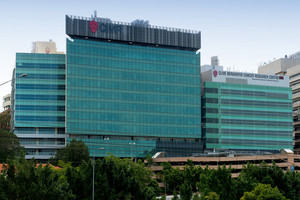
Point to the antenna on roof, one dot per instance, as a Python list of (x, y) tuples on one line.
[(95, 14)]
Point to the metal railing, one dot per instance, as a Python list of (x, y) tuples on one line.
[(130, 24)]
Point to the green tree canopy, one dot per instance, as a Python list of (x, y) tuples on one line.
[(263, 192), (75, 152), (218, 181), (22, 179), (186, 192), (212, 196), (5, 120), (288, 183), (114, 179), (9, 145)]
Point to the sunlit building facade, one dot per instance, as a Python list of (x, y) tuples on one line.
[(246, 112), (38, 103), (133, 89)]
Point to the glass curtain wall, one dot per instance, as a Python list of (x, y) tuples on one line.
[(39, 103), (132, 100), (247, 118)]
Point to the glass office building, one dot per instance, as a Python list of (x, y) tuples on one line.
[(38, 103), (133, 90), (246, 112)]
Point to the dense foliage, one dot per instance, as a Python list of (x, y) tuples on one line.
[(75, 152), (23, 179), (263, 191), (117, 178), (5, 120), (9, 142), (218, 183), (114, 179), (9, 145)]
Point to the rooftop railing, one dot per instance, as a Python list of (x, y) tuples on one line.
[(130, 24)]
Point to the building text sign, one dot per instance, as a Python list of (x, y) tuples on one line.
[(251, 78)]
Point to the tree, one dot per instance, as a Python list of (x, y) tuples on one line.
[(191, 174), (292, 189), (75, 152), (186, 191), (114, 179), (251, 175), (79, 179), (5, 120), (22, 179), (212, 196), (218, 181), (149, 160), (172, 178), (264, 192), (9, 145), (175, 195)]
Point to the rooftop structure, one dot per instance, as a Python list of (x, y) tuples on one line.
[(279, 66), (45, 47), (134, 33)]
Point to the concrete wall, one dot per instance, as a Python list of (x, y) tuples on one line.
[(278, 66)]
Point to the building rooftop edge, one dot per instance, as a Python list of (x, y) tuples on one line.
[(130, 24)]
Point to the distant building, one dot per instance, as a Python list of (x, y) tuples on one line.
[(213, 66), (6, 102), (294, 74), (289, 66), (246, 112), (279, 66), (38, 111), (295, 55), (45, 47)]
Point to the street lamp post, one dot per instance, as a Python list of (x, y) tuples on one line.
[(106, 140), (94, 172), (131, 143), (22, 75)]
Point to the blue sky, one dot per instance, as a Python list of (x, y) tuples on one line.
[(243, 33)]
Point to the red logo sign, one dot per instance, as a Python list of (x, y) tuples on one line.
[(93, 26), (215, 73), (47, 50)]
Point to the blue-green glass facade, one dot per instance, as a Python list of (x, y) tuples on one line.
[(133, 100), (247, 118), (39, 103)]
